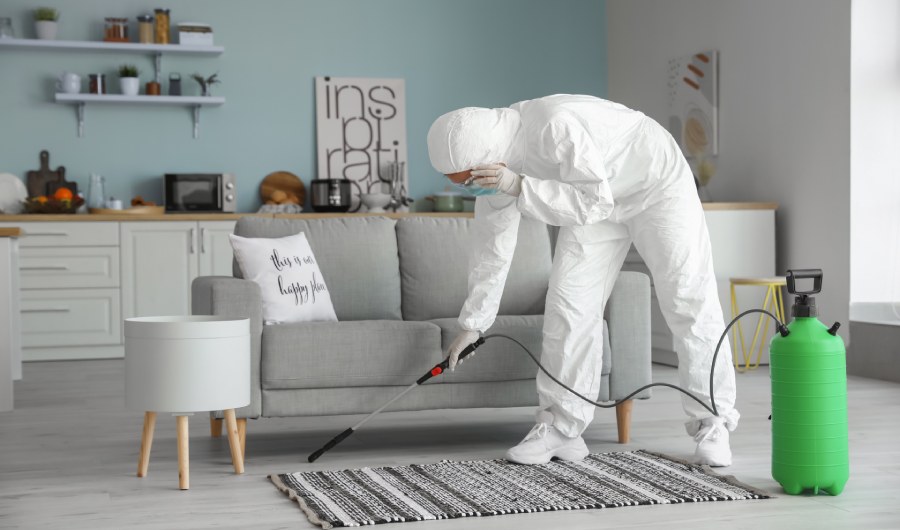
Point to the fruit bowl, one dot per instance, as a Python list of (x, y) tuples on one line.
[(52, 205)]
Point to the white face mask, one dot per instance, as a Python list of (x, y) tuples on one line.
[(471, 187)]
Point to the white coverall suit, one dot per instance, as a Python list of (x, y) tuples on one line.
[(608, 176)]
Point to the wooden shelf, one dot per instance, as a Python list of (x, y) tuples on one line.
[(130, 47)]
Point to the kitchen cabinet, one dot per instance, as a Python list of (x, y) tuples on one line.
[(10, 338), (742, 237), (69, 290), (161, 259), (65, 317), (216, 255)]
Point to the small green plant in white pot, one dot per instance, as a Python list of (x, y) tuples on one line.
[(45, 23), (128, 80)]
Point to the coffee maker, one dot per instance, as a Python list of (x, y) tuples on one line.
[(330, 195)]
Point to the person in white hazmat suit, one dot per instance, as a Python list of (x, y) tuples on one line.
[(607, 176)]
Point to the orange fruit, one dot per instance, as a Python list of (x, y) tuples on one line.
[(63, 194), (41, 200)]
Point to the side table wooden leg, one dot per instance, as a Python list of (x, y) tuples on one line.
[(184, 478), (237, 457), (242, 433), (146, 443), (215, 427)]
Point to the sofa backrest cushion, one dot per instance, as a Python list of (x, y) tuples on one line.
[(434, 267), (357, 257)]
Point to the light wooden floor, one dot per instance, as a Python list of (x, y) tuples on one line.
[(68, 457)]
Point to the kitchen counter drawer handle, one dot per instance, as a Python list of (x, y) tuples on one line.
[(47, 268), (58, 234), (48, 310)]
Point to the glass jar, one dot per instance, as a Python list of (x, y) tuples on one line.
[(6, 29), (116, 30), (162, 26), (96, 197), (145, 29), (97, 83)]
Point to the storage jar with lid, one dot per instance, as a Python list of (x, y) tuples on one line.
[(145, 29), (162, 26), (116, 30), (97, 83), (6, 28)]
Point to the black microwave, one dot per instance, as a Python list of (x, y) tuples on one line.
[(200, 192)]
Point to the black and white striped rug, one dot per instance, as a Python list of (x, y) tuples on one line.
[(447, 490)]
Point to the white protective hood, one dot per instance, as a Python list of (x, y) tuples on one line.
[(471, 136)]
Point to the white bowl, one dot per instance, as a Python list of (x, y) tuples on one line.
[(375, 202)]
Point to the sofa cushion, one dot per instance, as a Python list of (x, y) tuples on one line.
[(288, 276), (347, 354), (434, 255), (357, 257), (500, 359)]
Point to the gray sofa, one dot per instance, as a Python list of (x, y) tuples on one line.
[(397, 286)]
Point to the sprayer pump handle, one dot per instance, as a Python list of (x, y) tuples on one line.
[(815, 274)]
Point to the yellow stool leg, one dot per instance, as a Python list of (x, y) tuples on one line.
[(771, 293), (756, 336), (780, 309), (736, 329)]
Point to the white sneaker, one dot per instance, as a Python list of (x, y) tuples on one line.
[(713, 448), (543, 443)]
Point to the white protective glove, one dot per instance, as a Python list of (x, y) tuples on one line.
[(463, 339), (498, 177)]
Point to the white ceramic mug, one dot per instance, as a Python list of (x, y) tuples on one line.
[(69, 83)]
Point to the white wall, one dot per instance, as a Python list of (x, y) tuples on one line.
[(875, 152), (784, 111)]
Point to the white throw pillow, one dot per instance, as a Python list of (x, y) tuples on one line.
[(289, 278)]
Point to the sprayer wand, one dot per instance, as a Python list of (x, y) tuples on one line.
[(439, 369)]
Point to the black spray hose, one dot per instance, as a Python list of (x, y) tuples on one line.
[(439, 369), (712, 409)]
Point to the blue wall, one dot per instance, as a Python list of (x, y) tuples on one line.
[(452, 53)]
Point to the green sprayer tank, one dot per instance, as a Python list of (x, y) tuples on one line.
[(809, 398)]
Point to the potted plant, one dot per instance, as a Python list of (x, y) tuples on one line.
[(45, 22), (206, 83), (128, 79)]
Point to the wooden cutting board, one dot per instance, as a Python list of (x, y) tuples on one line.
[(37, 180), (284, 181)]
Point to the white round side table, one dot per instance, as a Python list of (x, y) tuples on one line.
[(182, 365)]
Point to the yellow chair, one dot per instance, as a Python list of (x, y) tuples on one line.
[(773, 302)]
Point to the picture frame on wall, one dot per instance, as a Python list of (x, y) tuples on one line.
[(361, 132)]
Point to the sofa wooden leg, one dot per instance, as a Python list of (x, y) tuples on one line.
[(623, 420), (215, 427)]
